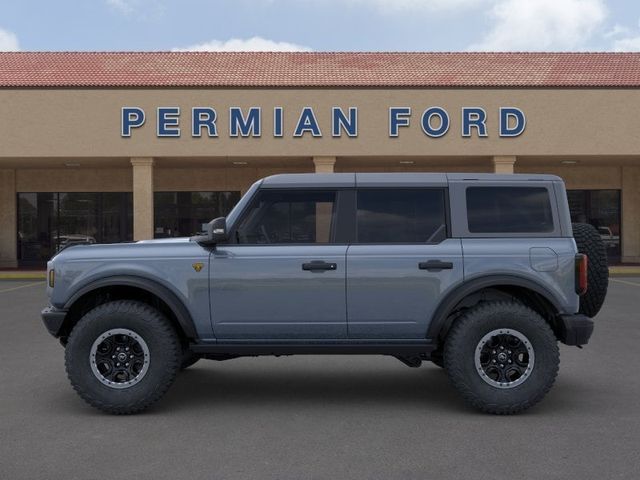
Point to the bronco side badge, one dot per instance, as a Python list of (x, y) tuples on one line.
[(197, 266)]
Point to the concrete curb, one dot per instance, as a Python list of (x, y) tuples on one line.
[(23, 275)]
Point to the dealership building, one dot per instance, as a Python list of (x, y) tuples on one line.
[(112, 147)]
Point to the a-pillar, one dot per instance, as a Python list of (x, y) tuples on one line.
[(8, 216), (142, 198), (503, 163), (324, 164)]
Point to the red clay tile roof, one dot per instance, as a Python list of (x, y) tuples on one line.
[(334, 69)]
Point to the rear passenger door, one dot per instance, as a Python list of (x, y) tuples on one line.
[(401, 262)]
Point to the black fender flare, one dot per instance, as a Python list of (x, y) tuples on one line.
[(455, 296), (167, 296)]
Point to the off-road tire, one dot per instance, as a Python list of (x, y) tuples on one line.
[(590, 243), (463, 340), (188, 359), (437, 358), (164, 356)]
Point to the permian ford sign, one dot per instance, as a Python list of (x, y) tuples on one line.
[(434, 121)]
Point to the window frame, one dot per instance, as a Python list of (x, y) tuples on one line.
[(338, 234), (447, 214)]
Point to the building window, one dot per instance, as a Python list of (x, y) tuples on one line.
[(48, 222), (183, 214), (600, 208)]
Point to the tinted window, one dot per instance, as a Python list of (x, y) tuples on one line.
[(509, 210), (288, 217), (401, 216)]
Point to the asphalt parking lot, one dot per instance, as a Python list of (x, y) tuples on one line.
[(319, 417)]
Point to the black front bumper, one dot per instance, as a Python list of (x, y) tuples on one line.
[(53, 319), (574, 329)]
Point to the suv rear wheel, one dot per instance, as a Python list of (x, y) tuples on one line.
[(502, 357), (122, 356)]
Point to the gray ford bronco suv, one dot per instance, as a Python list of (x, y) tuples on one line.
[(481, 274)]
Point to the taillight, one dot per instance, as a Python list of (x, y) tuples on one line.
[(581, 273)]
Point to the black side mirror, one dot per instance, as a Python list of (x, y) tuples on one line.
[(216, 232)]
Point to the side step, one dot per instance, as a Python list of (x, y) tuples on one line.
[(402, 349)]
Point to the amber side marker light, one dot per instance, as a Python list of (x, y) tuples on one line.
[(52, 277), (582, 261)]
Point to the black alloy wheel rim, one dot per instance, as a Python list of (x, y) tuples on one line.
[(119, 358), (504, 358)]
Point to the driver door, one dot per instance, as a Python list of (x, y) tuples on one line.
[(284, 275)]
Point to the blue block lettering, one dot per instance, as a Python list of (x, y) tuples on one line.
[(203, 117), (307, 123), (512, 121), (427, 117), (168, 121), (132, 117), (341, 122)]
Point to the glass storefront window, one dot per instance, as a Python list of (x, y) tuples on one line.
[(600, 208), (182, 214), (48, 222)]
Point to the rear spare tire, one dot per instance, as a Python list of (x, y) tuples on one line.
[(590, 243)]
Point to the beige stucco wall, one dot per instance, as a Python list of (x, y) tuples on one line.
[(580, 176), (74, 180), (77, 123), (207, 179)]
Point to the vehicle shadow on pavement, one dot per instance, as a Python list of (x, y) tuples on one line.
[(210, 387)]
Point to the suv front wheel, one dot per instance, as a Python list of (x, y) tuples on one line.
[(502, 356), (122, 356)]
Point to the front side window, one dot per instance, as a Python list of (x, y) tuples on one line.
[(281, 217), (509, 210), (401, 216)]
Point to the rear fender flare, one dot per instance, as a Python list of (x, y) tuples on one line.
[(439, 324)]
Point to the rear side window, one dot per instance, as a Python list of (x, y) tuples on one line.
[(401, 216), (509, 210)]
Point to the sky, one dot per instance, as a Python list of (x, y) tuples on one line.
[(320, 25)]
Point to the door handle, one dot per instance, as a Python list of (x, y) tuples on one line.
[(435, 265), (319, 265)]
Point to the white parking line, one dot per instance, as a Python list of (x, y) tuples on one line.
[(20, 286), (626, 282)]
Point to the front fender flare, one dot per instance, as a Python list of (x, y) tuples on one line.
[(170, 298)]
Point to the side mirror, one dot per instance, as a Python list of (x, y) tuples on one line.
[(217, 230)]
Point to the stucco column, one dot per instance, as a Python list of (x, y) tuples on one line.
[(142, 198), (324, 164), (8, 248), (503, 163), (630, 214)]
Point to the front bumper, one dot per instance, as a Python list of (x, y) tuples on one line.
[(53, 319), (574, 329)]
